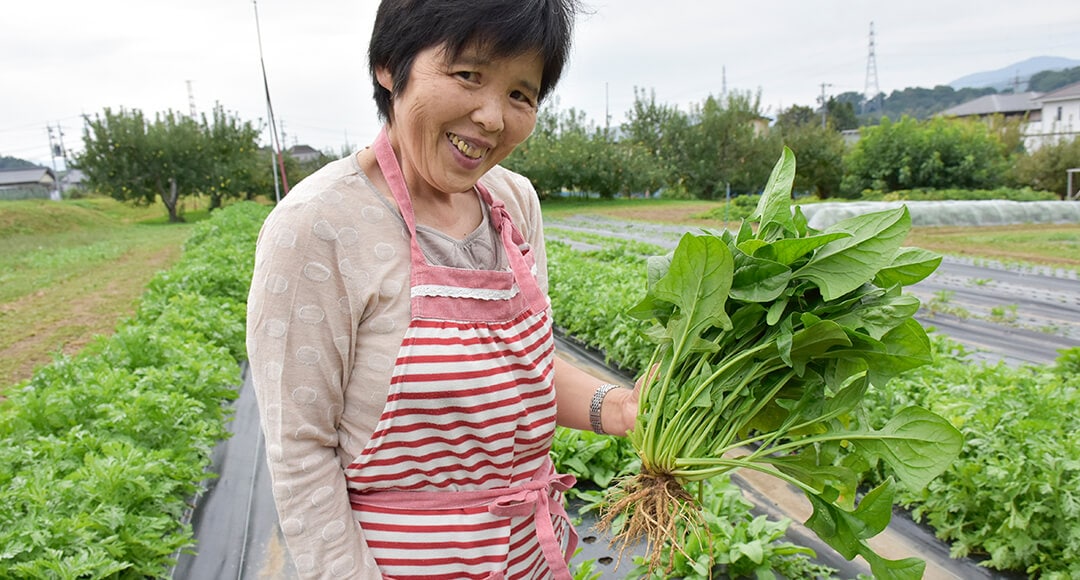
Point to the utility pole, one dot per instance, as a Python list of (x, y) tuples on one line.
[(824, 104), (607, 112), (275, 145), (56, 150)]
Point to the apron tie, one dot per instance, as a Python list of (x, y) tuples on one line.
[(533, 498)]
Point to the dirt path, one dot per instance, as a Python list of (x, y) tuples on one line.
[(66, 316)]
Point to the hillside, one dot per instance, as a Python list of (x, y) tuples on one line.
[(1014, 76)]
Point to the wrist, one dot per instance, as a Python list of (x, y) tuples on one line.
[(606, 414)]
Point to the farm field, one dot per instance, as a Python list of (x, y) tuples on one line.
[(73, 270), (125, 232)]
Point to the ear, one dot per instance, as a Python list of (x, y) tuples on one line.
[(386, 81)]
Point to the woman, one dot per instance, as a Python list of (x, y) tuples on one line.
[(399, 331)]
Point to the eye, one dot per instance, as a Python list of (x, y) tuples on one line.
[(467, 75), (522, 97)]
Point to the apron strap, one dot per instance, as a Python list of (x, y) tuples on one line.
[(500, 218)]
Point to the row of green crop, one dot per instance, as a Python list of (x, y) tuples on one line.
[(101, 454), (1014, 495), (1012, 498)]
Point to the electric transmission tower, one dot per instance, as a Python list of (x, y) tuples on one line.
[(871, 100), (191, 100)]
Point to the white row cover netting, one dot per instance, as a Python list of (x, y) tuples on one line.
[(951, 213)]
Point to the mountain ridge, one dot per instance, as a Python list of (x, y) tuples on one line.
[(1007, 76)]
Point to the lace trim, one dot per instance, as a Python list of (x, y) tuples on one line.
[(458, 292)]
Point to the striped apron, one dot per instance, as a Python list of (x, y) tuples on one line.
[(456, 481)]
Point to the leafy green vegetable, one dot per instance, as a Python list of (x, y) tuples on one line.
[(102, 453), (767, 342)]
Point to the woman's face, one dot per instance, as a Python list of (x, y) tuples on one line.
[(457, 119)]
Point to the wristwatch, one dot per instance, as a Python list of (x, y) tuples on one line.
[(594, 407)]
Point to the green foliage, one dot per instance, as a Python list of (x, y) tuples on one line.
[(923, 103), (1045, 168), (612, 273), (130, 158), (936, 154), (1013, 497), (719, 143), (1020, 463), (7, 162), (1051, 80), (840, 116), (739, 208), (592, 458), (102, 452), (821, 158), (1003, 193), (229, 158), (565, 154)]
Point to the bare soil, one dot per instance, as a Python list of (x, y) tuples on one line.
[(65, 317)]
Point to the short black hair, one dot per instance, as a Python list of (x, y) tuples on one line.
[(506, 28)]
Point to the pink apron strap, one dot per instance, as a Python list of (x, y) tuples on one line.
[(511, 237)]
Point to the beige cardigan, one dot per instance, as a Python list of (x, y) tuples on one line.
[(328, 308)]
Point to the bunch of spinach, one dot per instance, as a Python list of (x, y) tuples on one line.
[(767, 341)]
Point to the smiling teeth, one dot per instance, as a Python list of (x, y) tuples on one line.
[(466, 149)]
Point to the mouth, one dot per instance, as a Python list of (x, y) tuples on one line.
[(467, 149)]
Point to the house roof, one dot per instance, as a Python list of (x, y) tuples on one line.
[(302, 150), (998, 103), (1066, 93), (26, 176)]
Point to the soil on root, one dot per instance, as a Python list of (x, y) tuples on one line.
[(651, 507)]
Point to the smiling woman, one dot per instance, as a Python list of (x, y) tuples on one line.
[(399, 328)]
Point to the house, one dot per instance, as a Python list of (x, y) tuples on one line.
[(28, 183), (1060, 115), (72, 179), (1045, 118), (303, 153), (1023, 106)]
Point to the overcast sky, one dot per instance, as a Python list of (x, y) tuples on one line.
[(61, 59)]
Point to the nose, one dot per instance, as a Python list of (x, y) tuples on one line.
[(488, 111)]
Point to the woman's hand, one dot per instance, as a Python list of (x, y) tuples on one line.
[(619, 412)]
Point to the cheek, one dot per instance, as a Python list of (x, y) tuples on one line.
[(521, 126)]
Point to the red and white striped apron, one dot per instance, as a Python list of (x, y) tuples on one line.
[(456, 481)]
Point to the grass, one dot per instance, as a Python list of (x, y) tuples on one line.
[(72, 270), (1056, 245)]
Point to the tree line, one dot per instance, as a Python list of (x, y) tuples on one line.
[(725, 146), (720, 147), (131, 157)]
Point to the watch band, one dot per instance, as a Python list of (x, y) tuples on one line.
[(594, 407)]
